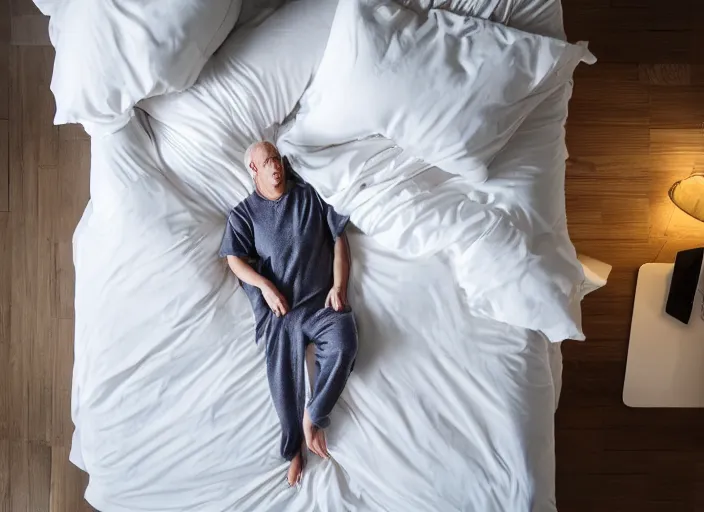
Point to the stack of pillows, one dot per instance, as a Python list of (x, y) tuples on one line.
[(449, 88), (378, 74)]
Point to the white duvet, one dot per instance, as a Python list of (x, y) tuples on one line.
[(447, 409)]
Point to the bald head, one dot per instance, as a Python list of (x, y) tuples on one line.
[(264, 162)]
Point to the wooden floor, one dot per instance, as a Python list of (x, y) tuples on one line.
[(635, 126), (43, 190)]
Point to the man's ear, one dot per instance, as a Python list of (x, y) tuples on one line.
[(253, 167)]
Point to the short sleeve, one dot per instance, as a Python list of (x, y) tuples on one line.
[(238, 239), (336, 222)]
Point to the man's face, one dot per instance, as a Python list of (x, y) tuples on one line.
[(267, 165)]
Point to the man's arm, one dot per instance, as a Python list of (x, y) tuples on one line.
[(337, 298), (247, 274)]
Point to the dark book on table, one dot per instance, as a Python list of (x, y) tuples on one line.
[(683, 287)]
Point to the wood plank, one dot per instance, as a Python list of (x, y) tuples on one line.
[(613, 176), (621, 287), (665, 168), (65, 279), (610, 102), (668, 142), (30, 142), (5, 284), (606, 71), (682, 225), (62, 378), (39, 476), (4, 78), (645, 46), (697, 74), (68, 483), (46, 339), (585, 140), (23, 7), (5, 475), (41, 356), (661, 212), (72, 132), (19, 476), (665, 74), (5, 22), (30, 476), (677, 107), (39, 66), (618, 416), (608, 489), (23, 194), (630, 254), (4, 166), (594, 217), (635, 504), (619, 34), (628, 19), (594, 349), (30, 30), (608, 322), (593, 383)]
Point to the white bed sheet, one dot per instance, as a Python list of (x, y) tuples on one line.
[(443, 412)]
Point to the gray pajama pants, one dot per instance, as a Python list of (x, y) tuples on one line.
[(335, 337)]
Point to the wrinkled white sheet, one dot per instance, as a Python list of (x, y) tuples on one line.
[(445, 410)]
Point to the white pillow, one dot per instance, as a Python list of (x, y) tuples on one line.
[(257, 77), (243, 94), (451, 89), (112, 54)]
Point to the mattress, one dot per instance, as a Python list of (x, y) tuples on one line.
[(445, 410)]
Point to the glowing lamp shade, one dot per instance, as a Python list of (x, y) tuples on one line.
[(688, 195)]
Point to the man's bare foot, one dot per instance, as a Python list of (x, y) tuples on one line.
[(315, 437), (295, 470)]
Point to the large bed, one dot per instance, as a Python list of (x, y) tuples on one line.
[(449, 407)]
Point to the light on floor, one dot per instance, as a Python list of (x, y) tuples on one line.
[(688, 195)]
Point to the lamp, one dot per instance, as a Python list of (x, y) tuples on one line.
[(688, 195)]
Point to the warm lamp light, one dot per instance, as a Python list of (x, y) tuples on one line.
[(688, 195)]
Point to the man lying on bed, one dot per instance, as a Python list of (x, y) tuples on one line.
[(287, 247)]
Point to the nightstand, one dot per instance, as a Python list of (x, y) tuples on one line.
[(665, 366)]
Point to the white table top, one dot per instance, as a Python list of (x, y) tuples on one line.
[(665, 365)]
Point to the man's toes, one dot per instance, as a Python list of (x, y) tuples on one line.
[(293, 477), (295, 471)]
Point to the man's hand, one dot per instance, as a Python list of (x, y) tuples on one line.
[(337, 298), (274, 299)]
